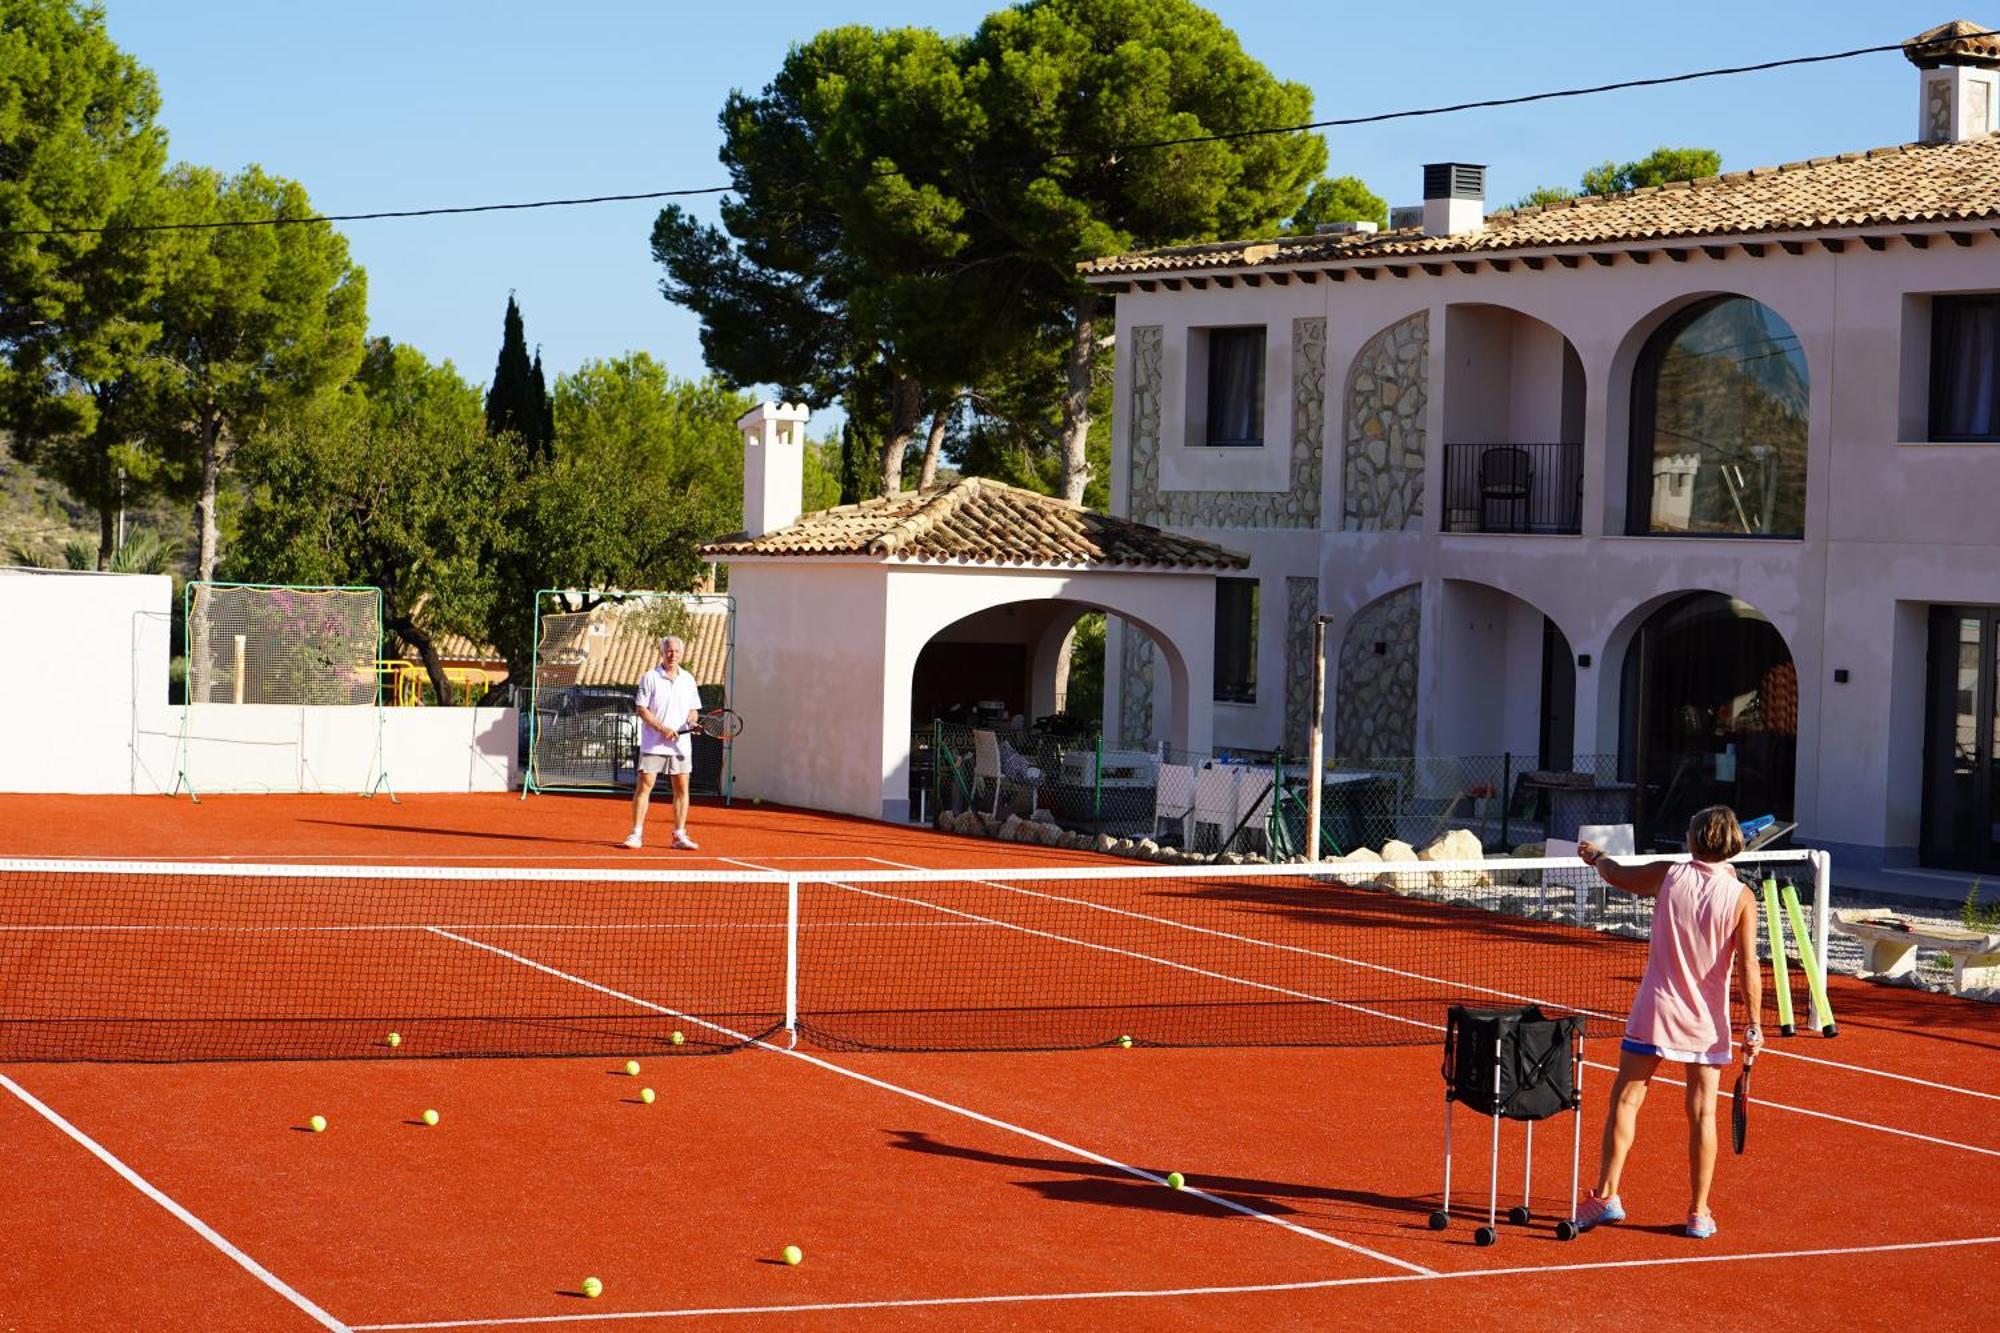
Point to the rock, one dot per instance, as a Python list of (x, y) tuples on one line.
[(1359, 857), (1104, 842), (1122, 847), (1043, 815), (1395, 852), (1147, 848), (1011, 830)]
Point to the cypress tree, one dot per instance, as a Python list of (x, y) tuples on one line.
[(542, 443), (510, 403)]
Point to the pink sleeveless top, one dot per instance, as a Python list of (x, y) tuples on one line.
[(1683, 1001)]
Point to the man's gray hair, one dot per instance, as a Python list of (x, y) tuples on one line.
[(675, 639)]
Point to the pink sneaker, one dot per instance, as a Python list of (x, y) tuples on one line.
[(684, 843), (1596, 1212), (633, 842), (1700, 1226)]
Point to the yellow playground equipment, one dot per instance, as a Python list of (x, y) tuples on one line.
[(407, 685)]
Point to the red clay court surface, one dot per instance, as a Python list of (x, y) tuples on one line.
[(931, 1191)]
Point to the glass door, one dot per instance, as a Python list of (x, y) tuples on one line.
[(1961, 768)]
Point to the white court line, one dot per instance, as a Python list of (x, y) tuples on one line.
[(943, 1105), (1247, 1289), (1321, 999), (147, 1188), (1015, 887)]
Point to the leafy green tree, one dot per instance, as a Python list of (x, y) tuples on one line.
[(258, 323), (79, 152), (1658, 167), (1544, 195), (393, 483), (1342, 199), (518, 400), (1069, 89)]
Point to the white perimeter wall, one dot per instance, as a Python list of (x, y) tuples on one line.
[(85, 670)]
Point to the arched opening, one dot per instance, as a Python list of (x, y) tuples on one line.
[(1709, 714), (1719, 398), (1513, 424)]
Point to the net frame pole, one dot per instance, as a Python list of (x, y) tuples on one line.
[(1822, 868), (792, 959), (1316, 739)]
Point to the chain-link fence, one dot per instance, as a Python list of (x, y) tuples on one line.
[(1252, 802)]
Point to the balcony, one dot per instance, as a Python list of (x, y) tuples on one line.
[(1513, 487)]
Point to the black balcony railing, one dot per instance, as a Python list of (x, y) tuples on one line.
[(1513, 488)]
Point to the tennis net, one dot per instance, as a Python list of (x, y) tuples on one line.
[(169, 961)]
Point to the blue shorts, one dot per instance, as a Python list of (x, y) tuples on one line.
[(1661, 1052)]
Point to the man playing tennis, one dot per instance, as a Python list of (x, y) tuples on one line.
[(1704, 923), (669, 703)]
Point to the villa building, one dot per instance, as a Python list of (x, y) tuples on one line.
[(1698, 483)]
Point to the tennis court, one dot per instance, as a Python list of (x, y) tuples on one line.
[(914, 1078)]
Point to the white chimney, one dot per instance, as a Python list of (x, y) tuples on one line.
[(1958, 82), (774, 465), (1454, 198)]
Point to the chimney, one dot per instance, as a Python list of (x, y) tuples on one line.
[(1454, 198), (774, 465), (1958, 81)]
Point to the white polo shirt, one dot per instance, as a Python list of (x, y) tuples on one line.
[(670, 699)]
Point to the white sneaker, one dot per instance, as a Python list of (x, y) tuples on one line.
[(634, 841), (684, 842)]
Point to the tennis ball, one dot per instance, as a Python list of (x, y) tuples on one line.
[(1175, 1180), (395, 1039), (678, 1039), (632, 1067), (793, 1255), (317, 1124), (1126, 1042), (591, 1287), (646, 1096), (430, 1117)]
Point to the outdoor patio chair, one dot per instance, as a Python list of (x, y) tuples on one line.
[(1506, 477), (987, 767)]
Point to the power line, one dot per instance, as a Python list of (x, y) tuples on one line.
[(1112, 150)]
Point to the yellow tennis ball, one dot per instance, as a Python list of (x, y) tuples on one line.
[(756, 800), (678, 1039), (1126, 1042), (632, 1067), (591, 1287), (1175, 1180), (430, 1117), (793, 1255), (395, 1039), (317, 1124), (646, 1096)]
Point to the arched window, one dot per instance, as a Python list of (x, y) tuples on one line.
[(1719, 425)]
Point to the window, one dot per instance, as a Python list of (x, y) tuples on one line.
[(1965, 368), (1719, 425), (1236, 387), (1236, 641)]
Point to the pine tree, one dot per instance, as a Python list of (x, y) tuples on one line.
[(510, 404)]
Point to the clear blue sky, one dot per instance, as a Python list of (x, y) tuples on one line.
[(375, 104)]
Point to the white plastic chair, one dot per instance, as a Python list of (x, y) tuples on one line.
[(986, 767)]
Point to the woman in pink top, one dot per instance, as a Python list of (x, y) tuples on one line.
[(1704, 922)]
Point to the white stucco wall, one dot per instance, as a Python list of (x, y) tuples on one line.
[(825, 649), (83, 653), (280, 748), (1892, 523)]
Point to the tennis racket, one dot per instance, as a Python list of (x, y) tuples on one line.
[(1739, 1107), (724, 724)]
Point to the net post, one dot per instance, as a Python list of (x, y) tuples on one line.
[(1316, 740), (1822, 868), (792, 958)]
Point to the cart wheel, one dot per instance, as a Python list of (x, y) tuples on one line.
[(1440, 1220), (1519, 1215), (1485, 1236), (1565, 1230)]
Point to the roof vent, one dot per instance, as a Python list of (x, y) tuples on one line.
[(1454, 198), (1346, 229), (1403, 217)]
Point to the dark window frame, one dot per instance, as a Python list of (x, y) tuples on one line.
[(1218, 339), (1639, 454), (1236, 609), (1941, 362)]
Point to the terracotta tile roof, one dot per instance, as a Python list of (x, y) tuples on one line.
[(981, 521), (615, 644), (1955, 43), (1887, 187)]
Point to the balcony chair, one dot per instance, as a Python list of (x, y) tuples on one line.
[(1506, 477)]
